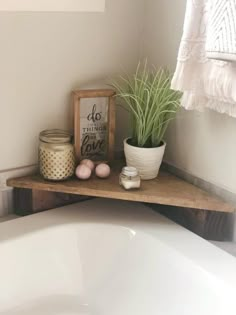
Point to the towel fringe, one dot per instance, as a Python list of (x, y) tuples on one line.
[(206, 83), (211, 84), (191, 101)]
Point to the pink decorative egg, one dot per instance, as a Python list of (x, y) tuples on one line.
[(88, 163), (83, 172), (103, 170)]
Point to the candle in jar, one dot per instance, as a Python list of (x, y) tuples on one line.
[(129, 178)]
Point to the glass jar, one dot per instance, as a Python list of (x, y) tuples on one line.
[(129, 178), (56, 155)]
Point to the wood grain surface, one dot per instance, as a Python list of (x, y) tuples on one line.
[(94, 93), (29, 201), (167, 189)]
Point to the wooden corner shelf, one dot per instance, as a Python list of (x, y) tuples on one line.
[(167, 189)]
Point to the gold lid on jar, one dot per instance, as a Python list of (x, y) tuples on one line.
[(56, 136)]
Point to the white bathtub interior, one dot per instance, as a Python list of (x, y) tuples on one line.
[(110, 257)]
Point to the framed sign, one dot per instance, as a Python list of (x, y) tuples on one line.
[(94, 124)]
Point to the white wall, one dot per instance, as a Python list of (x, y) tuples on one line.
[(52, 5), (202, 144), (43, 56)]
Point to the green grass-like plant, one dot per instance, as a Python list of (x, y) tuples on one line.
[(151, 101)]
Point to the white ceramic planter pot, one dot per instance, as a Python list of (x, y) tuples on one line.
[(146, 160)]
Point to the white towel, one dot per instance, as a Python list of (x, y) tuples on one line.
[(205, 83), (221, 32)]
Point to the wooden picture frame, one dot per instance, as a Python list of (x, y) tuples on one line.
[(96, 108)]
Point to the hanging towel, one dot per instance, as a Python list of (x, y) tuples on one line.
[(205, 83), (221, 33)]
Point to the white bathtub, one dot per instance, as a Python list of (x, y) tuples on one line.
[(105, 257)]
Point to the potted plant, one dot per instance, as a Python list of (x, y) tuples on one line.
[(152, 103)]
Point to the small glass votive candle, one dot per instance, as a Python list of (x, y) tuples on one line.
[(129, 178)]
